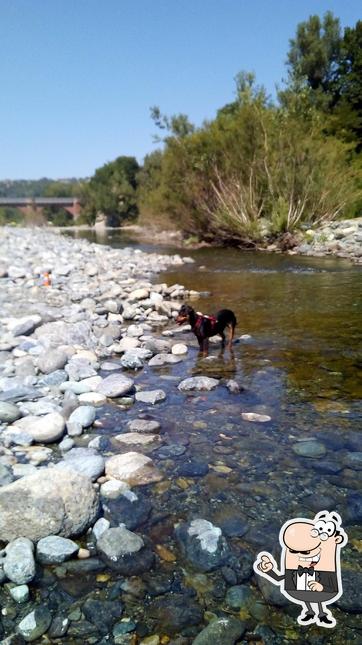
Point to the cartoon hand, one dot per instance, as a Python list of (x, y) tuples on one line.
[(265, 564), (315, 586)]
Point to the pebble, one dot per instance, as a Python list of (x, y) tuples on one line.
[(309, 448), (199, 383), (20, 594), (84, 415), (35, 624), (115, 385), (55, 549), (8, 412), (19, 564), (151, 397)]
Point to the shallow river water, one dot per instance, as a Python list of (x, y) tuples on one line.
[(299, 362)]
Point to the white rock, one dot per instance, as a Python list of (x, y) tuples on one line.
[(133, 468), (254, 416), (179, 349)]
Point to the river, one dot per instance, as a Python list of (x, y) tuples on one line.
[(299, 362)]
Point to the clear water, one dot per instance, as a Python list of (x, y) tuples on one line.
[(301, 365)]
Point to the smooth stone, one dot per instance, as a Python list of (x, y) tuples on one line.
[(129, 508), (39, 408), (55, 549), (35, 624), (21, 393), (151, 396), (20, 594), (255, 417), (170, 451), (202, 544), (127, 343), (199, 383), (179, 349), (9, 412), (19, 564), (85, 415), (115, 385), (74, 429), (157, 346), (59, 627), (309, 448), (144, 425), (66, 444), (136, 438), (353, 460), (44, 429), (113, 488), (52, 360), (193, 468), (53, 501), (222, 631), (92, 398), (85, 461), (100, 526), (124, 551), (53, 379), (133, 468), (79, 368)]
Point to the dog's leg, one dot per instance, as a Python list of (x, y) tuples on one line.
[(231, 335), (205, 346), (223, 339)]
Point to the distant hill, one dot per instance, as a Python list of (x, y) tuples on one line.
[(36, 187)]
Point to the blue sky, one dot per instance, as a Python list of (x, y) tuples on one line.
[(78, 77)]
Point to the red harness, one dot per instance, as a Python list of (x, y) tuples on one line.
[(201, 317)]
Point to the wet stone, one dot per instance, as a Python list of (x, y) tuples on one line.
[(8, 412), (193, 468), (202, 544), (152, 396), (144, 425), (124, 551), (170, 451), (222, 631), (20, 594), (19, 564), (353, 510), (102, 613), (309, 448), (59, 627), (174, 613), (131, 509), (35, 624), (351, 599)]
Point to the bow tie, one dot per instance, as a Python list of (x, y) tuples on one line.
[(302, 570)]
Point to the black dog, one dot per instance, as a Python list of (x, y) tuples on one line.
[(206, 326)]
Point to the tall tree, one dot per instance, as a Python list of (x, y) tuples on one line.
[(314, 53)]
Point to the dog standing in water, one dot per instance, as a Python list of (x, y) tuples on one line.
[(206, 326)]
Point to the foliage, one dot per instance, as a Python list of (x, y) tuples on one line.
[(112, 191)]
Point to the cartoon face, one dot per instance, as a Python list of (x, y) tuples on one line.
[(312, 544)]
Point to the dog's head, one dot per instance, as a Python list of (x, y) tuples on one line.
[(184, 314)]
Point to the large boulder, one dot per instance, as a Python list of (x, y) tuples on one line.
[(53, 501)]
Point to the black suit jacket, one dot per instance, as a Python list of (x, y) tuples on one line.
[(326, 578)]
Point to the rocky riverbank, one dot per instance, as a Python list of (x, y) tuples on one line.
[(341, 238), (115, 526)]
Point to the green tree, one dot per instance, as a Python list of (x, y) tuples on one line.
[(314, 52), (113, 191)]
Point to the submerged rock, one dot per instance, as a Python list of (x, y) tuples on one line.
[(202, 544), (35, 624), (309, 448), (152, 396), (133, 468), (199, 383), (222, 631), (125, 551)]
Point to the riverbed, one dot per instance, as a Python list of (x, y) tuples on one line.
[(298, 361), (296, 366)]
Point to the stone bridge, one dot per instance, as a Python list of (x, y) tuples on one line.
[(30, 205)]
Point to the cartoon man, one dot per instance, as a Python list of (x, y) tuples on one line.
[(310, 565)]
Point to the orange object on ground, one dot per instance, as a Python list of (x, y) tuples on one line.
[(46, 279)]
